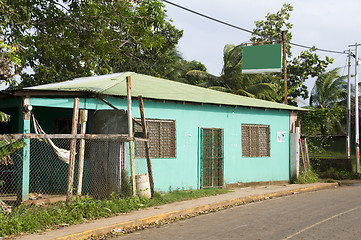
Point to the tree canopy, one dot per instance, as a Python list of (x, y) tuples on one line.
[(327, 97), (307, 64), (9, 61), (61, 40), (269, 86), (330, 88), (232, 78)]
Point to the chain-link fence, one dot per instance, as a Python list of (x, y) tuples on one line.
[(103, 169)]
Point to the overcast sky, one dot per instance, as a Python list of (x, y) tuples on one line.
[(326, 24)]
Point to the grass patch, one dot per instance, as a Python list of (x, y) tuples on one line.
[(327, 153), (29, 219), (309, 177), (332, 173)]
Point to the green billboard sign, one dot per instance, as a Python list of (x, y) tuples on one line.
[(262, 58)]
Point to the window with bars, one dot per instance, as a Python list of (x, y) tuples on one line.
[(161, 139), (255, 140)]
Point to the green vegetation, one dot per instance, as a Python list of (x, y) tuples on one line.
[(29, 219), (327, 97), (78, 38), (9, 61), (309, 177), (62, 41), (335, 174), (268, 86)]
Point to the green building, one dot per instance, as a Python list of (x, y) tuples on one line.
[(198, 137)]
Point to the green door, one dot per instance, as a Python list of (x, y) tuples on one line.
[(211, 157)]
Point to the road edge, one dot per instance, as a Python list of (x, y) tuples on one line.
[(124, 226)]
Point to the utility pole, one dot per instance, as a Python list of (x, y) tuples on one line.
[(348, 138), (285, 63), (357, 133), (357, 113)]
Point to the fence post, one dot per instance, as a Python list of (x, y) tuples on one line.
[(26, 110), (83, 119), (69, 192)]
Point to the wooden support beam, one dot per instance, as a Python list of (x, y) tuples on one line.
[(121, 137), (146, 145), (307, 154), (108, 103), (74, 128), (131, 135), (83, 119), (303, 158)]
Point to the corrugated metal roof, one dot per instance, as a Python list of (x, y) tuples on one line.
[(157, 88)]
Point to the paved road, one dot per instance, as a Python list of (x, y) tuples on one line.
[(326, 214)]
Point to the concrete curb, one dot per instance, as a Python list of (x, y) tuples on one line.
[(190, 211)]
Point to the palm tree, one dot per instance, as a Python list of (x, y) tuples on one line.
[(261, 86), (329, 89), (328, 93), (251, 85), (172, 66)]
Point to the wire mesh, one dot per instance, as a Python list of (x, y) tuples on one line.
[(103, 172)]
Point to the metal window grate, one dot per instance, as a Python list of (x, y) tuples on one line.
[(255, 140), (161, 139)]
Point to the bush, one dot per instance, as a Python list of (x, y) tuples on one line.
[(339, 174), (309, 177)]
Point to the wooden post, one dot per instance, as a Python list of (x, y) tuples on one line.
[(26, 110), (69, 192), (122, 146), (83, 119), (130, 132), (284, 46), (303, 158), (307, 154), (146, 145)]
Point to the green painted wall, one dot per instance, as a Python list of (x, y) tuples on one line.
[(183, 172)]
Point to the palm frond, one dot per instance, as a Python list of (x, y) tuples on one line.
[(221, 89), (329, 88)]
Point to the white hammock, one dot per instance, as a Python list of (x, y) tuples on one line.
[(63, 154)]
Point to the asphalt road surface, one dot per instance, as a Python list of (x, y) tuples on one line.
[(326, 214)]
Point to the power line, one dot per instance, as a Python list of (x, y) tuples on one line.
[(248, 31), (318, 49), (208, 17)]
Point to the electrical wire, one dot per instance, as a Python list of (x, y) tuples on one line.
[(318, 49), (249, 31), (208, 17), (346, 64)]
